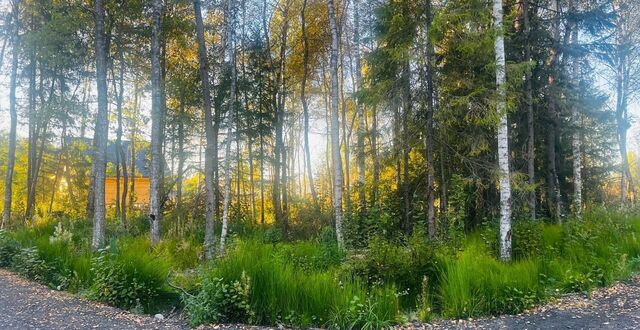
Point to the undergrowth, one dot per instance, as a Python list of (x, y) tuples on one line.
[(263, 280)]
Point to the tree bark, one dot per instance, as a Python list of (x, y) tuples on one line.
[(503, 135), (576, 143), (101, 130), (335, 126)]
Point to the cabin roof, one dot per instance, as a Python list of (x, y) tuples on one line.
[(142, 161)]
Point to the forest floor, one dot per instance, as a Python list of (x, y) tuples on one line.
[(28, 305)]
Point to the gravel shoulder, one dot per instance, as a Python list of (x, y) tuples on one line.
[(615, 307), (28, 305)]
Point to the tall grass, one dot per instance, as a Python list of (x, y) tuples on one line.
[(475, 283), (282, 294)]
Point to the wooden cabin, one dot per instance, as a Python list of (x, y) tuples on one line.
[(142, 171), (141, 190), (141, 179)]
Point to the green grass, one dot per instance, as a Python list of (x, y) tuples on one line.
[(314, 283), (282, 293)]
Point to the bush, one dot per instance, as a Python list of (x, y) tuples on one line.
[(401, 265), (218, 302), (128, 277), (8, 248), (28, 263)]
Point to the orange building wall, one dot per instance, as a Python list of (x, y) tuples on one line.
[(142, 190)]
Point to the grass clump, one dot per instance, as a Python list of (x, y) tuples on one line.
[(474, 283), (281, 294)]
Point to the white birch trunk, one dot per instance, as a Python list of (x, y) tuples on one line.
[(335, 126), (503, 135), (576, 144)]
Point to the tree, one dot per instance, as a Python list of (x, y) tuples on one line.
[(335, 126), (503, 135), (531, 152), (101, 129), (305, 106), (210, 157), (231, 58), (430, 102), (13, 81), (157, 120), (360, 109)]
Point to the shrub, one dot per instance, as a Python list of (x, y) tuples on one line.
[(218, 301), (128, 277), (29, 264), (8, 248), (401, 265)]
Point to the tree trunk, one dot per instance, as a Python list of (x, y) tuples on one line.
[(335, 126), (345, 139), (11, 157), (101, 130), (211, 157), (305, 107), (374, 154), (121, 163), (428, 78), (155, 186), (531, 152), (230, 48), (406, 113), (362, 197), (132, 195), (575, 137), (503, 135), (554, 193)]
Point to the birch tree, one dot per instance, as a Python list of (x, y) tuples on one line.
[(503, 135)]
